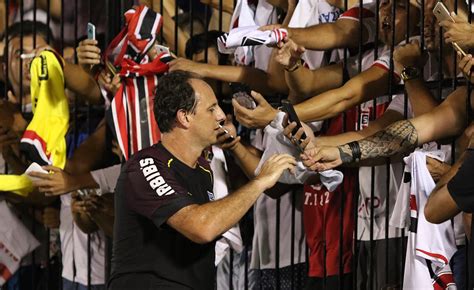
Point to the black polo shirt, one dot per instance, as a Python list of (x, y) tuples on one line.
[(461, 188), (147, 253)]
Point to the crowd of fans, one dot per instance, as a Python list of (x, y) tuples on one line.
[(373, 202)]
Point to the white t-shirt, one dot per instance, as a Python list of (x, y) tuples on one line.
[(308, 13), (74, 248), (430, 246)]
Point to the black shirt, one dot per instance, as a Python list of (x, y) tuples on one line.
[(147, 253), (461, 188)]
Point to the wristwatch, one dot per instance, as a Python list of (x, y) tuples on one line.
[(409, 73), (294, 67)]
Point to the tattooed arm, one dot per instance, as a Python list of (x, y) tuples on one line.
[(398, 137), (448, 119)]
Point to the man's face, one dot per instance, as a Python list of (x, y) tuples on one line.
[(385, 20), (207, 114), (14, 55)]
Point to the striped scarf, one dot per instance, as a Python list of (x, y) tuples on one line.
[(132, 107)]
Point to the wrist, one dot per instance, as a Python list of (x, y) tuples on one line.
[(293, 65), (410, 73), (345, 153), (260, 184)]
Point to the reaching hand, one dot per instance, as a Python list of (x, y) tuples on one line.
[(296, 139), (465, 65), (459, 31), (111, 84), (436, 168), (289, 53), (87, 52), (186, 65), (321, 158), (56, 183), (259, 117), (224, 140), (273, 168), (408, 55)]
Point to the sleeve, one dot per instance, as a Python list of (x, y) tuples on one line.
[(398, 105), (368, 19), (107, 178), (153, 191), (461, 186)]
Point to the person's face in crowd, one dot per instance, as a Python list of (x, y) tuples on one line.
[(204, 122), (385, 20), (14, 54), (212, 56)]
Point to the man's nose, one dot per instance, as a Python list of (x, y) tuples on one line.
[(220, 116)]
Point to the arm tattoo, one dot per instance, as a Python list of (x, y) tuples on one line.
[(396, 138), (346, 153)]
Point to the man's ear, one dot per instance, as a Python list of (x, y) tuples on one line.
[(182, 119)]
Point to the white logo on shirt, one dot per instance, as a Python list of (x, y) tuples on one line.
[(154, 178)]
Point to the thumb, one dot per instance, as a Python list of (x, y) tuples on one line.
[(300, 49), (457, 18), (259, 99), (12, 98)]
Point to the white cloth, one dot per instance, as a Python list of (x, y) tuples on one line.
[(106, 178), (74, 249), (278, 143), (430, 246), (250, 15), (312, 12), (15, 242), (249, 36), (232, 237)]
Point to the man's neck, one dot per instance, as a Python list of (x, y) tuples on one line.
[(182, 148)]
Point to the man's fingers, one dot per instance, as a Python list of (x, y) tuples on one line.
[(259, 99), (43, 176), (52, 168), (288, 129), (457, 18)]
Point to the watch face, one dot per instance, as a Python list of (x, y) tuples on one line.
[(410, 73)]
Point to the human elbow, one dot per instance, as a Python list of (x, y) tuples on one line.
[(432, 215), (202, 235)]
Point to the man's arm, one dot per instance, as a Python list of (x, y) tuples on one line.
[(448, 119), (256, 79), (344, 33), (82, 83), (441, 205), (203, 223), (389, 117), (367, 85)]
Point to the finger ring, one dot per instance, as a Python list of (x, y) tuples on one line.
[(293, 139)]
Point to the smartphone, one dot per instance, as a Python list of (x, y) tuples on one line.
[(90, 31), (441, 13), (287, 107), (231, 138)]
